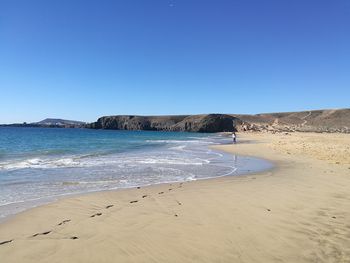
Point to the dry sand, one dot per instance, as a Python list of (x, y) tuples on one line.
[(297, 212)]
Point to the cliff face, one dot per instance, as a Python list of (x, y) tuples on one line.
[(193, 123), (304, 121), (208, 123)]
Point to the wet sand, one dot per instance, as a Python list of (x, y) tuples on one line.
[(297, 212)]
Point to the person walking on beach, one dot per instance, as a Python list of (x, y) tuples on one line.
[(234, 137)]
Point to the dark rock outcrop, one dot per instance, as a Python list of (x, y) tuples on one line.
[(190, 123), (305, 121), (130, 122), (208, 123)]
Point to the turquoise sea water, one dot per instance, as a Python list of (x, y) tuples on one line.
[(38, 165)]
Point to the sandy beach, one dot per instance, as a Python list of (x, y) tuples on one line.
[(297, 212)]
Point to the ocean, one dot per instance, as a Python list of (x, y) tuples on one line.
[(39, 165)]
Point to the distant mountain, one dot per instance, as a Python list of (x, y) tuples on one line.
[(58, 122), (49, 123)]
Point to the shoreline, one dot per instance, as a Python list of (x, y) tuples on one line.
[(292, 213), (58, 198), (241, 170)]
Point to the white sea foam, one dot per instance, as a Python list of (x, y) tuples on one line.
[(78, 161), (179, 148), (197, 141), (33, 180), (38, 163)]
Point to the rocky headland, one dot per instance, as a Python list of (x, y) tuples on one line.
[(190, 123), (336, 120), (304, 121)]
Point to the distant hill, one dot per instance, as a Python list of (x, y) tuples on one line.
[(58, 122), (335, 120), (49, 123)]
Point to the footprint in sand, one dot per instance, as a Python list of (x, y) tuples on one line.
[(135, 201), (42, 234), (109, 206), (97, 214), (74, 237), (160, 193), (5, 242), (178, 202), (64, 221), (144, 196)]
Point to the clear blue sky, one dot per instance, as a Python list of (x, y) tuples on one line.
[(80, 59)]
